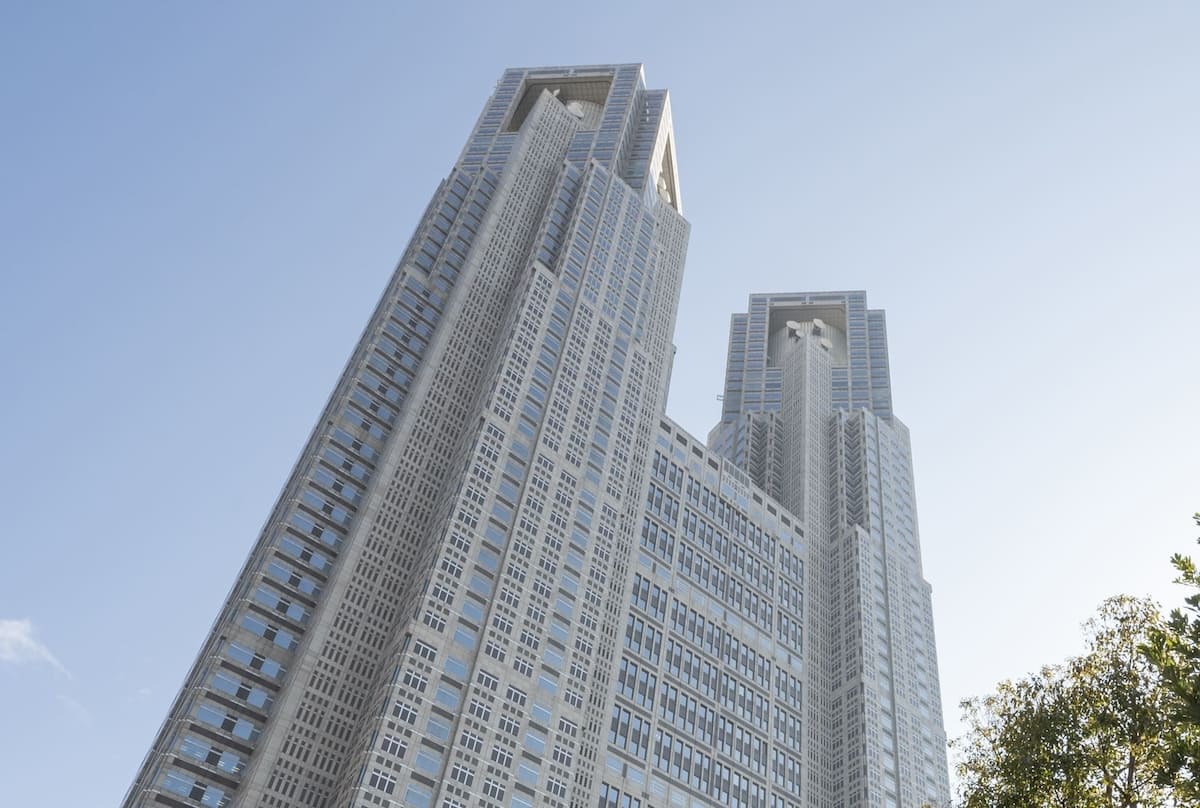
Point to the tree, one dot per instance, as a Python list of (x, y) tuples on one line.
[(1174, 649), (1020, 748), (1085, 734)]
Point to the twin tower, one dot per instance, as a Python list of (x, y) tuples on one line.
[(499, 576)]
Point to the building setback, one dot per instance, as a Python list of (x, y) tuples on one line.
[(710, 701), (498, 576)]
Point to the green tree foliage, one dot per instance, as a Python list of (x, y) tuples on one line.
[(1174, 649), (1085, 734)]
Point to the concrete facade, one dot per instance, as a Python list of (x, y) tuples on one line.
[(499, 576), (808, 413)]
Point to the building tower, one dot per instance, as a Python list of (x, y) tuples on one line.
[(433, 606), (807, 412), (499, 576)]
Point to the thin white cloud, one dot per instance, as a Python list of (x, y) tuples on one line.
[(75, 709), (18, 645)]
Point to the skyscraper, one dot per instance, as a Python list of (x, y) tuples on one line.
[(499, 576), (807, 411), (456, 532)]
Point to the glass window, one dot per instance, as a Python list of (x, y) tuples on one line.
[(418, 797), (456, 668), (438, 729), (465, 637), (428, 762), (448, 697), (535, 742), (527, 773)]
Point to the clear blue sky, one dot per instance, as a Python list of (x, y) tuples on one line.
[(200, 203)]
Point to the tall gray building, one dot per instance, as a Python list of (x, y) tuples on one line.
[(807, 412), (498, 576)]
